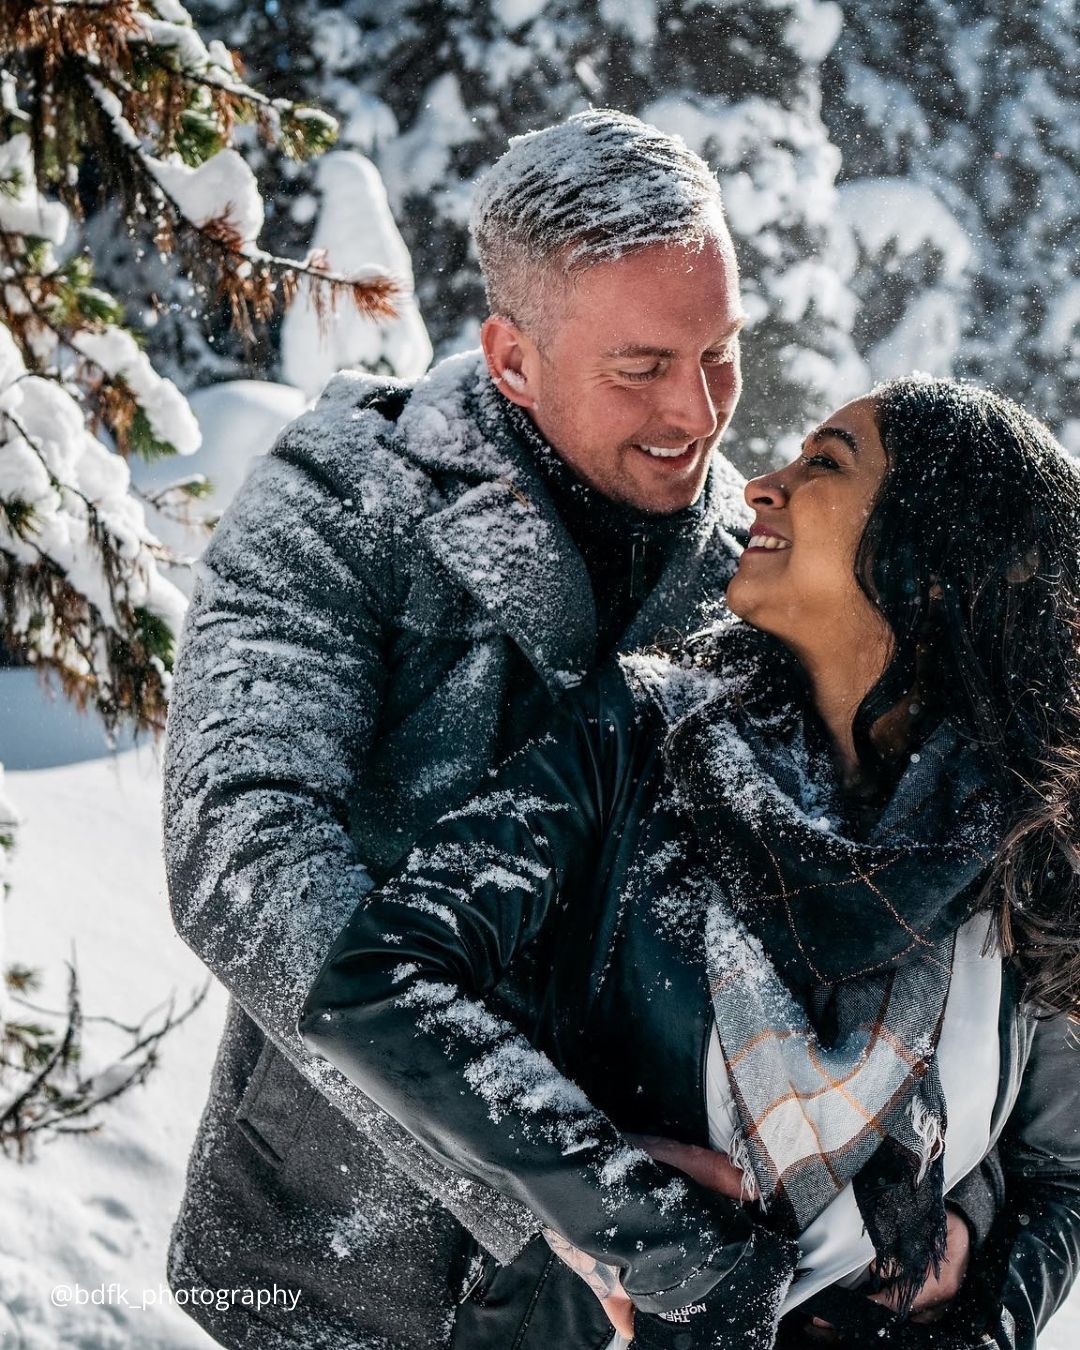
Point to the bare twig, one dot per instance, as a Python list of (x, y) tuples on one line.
[(44, 1104)]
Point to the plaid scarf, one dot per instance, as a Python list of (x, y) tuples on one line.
[(829, 954)]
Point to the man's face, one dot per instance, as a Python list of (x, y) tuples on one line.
[(640, 377)]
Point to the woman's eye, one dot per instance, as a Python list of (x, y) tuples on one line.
[(818, 461)]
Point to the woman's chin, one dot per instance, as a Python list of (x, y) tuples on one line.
[(741, 598), (748, 604)]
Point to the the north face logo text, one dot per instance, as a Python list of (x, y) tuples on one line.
[(682, 1314)]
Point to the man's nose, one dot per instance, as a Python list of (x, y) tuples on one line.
[(768, 490), (689, 405)]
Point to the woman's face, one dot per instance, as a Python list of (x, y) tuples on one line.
[(796, 579)]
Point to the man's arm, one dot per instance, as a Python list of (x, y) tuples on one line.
[(274, 702), (401, 1005)]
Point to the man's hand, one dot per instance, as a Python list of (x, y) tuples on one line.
[(711, 1169), (718, 1173), (939, 1290), (602, 1280)]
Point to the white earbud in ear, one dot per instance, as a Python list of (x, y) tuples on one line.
[(513, 378)]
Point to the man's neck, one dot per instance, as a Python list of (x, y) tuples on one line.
[(624, 550)]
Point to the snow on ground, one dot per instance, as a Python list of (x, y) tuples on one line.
[(96, 1209), (1063, 1333)]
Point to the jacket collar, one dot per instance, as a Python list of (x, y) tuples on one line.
[(501, 537), (700, 560)]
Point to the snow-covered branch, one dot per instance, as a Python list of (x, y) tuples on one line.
[(128, 90)]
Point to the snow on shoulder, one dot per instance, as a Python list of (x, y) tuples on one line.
[(439, 425), (347, 436), (679, 683)]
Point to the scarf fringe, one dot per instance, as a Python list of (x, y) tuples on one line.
[(926, 1122), (903, 1286), (741, 1157)]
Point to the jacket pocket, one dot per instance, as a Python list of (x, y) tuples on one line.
[(274, 1106), (534, 1303), (480, 1268)]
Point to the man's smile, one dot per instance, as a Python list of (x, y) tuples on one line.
[(665, 451), (670, 457)]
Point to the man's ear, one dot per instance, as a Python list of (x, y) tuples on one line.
[(512, 359)]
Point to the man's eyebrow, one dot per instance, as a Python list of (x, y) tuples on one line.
[(633, 349), (630, 350), (840, 433)]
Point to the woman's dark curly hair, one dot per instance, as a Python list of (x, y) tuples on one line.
[(972, 554)]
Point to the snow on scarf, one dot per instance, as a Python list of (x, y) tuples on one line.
[(829, 956)]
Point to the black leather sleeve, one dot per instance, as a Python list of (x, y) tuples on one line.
[(400, 1007), (1025, 1271), (1041, 1155)]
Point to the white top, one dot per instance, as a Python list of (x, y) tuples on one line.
[(835, 1248)]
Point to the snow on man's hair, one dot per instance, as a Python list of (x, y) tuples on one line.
[(591, 189)]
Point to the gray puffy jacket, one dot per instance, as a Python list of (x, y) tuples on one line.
[(388, 608)]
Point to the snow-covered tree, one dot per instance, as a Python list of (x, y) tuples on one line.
[(950, 245), (967, 111), (433, 91), (127, 93), (354, 227), (124, 99)]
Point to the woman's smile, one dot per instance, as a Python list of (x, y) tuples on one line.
[(762, 539)]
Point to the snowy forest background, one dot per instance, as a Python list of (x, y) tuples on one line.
[(902, 179)]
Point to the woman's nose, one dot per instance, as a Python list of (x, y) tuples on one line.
[(767, 490)]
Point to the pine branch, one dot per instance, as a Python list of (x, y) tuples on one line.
[(35, 445), (47, 23), (175, 502), (112, 668), (89, 57), (85, 1095), (115, 405), (134, 85), (250, 279), (45, 1105), (131, 1029), (57, 28), (65, 6)]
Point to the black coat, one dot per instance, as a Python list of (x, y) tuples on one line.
[(556, 914)]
